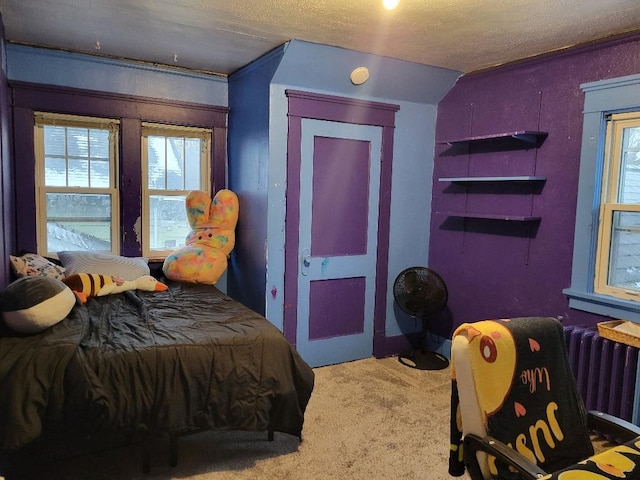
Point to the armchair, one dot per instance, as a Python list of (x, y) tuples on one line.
[(516, 412)]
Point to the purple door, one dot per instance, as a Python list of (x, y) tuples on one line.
[(339, 203)]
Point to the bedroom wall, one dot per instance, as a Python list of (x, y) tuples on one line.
[(248, 151), (324, 69), (497, 270), (7, 238), (53, 68)]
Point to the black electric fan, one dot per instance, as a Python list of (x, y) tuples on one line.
[(421, 293)]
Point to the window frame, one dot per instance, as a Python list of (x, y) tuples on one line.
[(131, 110), (179, 131), (42, 119), (609, 203), (602, 99)]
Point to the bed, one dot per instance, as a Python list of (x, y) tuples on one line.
[(185, 359)]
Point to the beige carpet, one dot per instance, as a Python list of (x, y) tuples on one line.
[(370, 419)]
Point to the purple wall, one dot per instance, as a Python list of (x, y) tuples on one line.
[(7, 238), (497, 269)]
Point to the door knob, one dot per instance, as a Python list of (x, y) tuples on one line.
[(306, 261)]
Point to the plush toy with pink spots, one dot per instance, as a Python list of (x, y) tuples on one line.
[(203, 259)]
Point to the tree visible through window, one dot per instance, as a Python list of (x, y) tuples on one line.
[(618, 251)]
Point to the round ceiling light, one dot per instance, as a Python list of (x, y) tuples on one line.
[(359, 75), (390, 4)]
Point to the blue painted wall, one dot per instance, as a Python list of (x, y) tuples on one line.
[(54, 67), (324, 69), (248, 152)]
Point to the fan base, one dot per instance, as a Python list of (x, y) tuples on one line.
[(423, 360)]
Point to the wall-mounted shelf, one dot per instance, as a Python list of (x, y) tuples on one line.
[(488, 216), (527, 137), (518, 178), (498, 142)]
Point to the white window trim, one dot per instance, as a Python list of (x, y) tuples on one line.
[(602, 98), (151, 129), (43, 118)]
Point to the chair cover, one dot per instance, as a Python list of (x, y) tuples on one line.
[(525, 391)]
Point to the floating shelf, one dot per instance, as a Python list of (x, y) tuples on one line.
[(487, 216), (519, 178), (531, 137)]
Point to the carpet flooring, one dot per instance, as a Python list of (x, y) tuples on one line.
[(372, 419)]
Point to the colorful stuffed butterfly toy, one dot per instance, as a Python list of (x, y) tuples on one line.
[(203, 259)]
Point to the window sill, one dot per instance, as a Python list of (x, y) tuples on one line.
[(603, 305)]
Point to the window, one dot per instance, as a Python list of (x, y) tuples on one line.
[(175, 161), (76, 183), (606, 254), (618, 249), (126, 194)]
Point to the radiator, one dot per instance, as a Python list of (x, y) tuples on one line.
[(605, 371)]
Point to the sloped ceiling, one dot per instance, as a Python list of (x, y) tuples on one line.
[(220, 36)]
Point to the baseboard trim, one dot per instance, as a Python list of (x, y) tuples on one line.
[(384, 346)]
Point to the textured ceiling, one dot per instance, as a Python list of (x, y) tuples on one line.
[(223, 35)]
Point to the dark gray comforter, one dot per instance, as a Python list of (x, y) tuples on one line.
[(190, 357)]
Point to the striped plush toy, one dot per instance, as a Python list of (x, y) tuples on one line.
[(85, 285)]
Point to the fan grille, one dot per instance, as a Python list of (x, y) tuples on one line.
[(420, 292)]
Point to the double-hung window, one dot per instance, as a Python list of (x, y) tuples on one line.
[(76, 183), (175, 160), (618, 250), (605, 276)]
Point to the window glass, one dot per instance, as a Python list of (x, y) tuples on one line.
[(78, 222), (629, 191), (76, 183), (624, 259), (175, 161)]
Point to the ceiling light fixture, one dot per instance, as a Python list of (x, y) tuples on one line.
[(390, 4), (359, 75)]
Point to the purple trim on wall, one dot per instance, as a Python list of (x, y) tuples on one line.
[(341, 109), (292, 221), (130, 186), (78, 101), (219, 159), (7, 239), (384, 225), (23, 162), (131, 110), (347, 110)]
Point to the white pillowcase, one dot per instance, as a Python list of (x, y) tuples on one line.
[(128, 268)]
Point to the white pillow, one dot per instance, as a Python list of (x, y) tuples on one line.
[(128, 268)]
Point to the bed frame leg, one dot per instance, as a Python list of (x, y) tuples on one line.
[(173, 449), (270, 435)]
